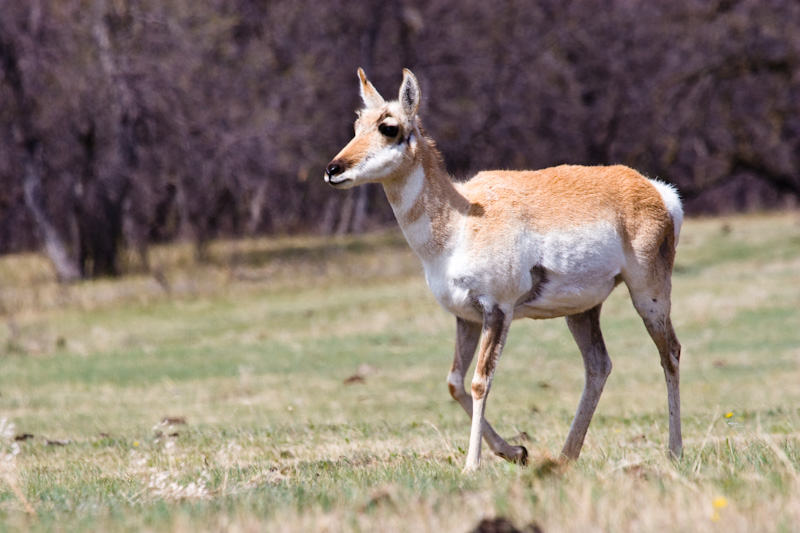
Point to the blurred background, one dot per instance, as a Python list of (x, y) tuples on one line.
[(125, 123)]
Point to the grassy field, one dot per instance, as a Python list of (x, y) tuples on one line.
[(299, 385)]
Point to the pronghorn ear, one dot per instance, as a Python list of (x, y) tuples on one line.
[(369, 94), (409, 94)]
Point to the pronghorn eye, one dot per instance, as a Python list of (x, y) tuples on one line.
[(389, 130)]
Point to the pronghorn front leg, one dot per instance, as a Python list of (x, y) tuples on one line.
[(467, 336), (495, 330)]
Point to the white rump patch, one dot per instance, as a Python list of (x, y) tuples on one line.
[(669, 193)]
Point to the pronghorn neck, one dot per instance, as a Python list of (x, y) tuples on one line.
[(425, 201)]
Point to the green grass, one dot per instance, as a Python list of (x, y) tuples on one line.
[(253, 351)]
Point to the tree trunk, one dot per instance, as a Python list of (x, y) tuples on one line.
[(66, 268), (106, 187), (31, 149)]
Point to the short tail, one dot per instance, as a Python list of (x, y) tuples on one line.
[(669, 193)]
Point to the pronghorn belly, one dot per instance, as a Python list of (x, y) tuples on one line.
[(563, 296), (577, 270), (537, 275)]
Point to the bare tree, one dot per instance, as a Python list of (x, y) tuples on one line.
[(27, 138), (140, 121)]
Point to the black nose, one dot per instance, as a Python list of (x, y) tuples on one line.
[(333, 168)]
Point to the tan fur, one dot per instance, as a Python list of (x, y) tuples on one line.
[(569, 195)]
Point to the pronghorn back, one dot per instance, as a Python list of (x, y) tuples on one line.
[(567, 196)]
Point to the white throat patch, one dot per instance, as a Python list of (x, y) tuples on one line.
[(410, 192)]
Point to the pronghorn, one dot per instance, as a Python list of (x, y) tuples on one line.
[(536, 244)]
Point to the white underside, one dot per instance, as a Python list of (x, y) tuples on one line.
[(580, 268)]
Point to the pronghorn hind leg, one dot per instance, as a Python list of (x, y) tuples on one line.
[(651, 298), (467, 337), (654, 310), (585, 329)]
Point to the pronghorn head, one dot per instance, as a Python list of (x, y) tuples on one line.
[(386, 137)]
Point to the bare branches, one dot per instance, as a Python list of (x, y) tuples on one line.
[(216, 118)]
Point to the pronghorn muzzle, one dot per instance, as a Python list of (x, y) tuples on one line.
[(334, 168)]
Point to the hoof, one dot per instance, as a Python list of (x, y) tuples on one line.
[(520, 459), (469, 469), (523, 458)]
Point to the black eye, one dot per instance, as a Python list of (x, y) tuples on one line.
[(389, 130)]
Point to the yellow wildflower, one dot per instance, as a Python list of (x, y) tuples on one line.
[(720, 502)]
